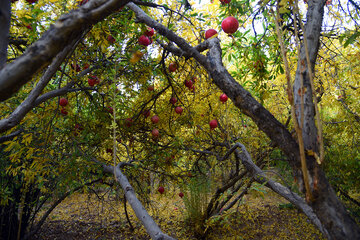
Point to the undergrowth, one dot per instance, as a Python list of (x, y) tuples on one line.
[(83, 216)]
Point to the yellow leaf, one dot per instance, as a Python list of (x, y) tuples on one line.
[(136, 57), (27, 139), (10, 146), (310, 152), (30, 153)]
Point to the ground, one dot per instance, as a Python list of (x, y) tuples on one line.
[(259, 216)]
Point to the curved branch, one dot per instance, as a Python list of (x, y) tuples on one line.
[(30, 102), (10, 136), (127, 215), (356, 116), (61, 33), (327, 207), (276, 131)]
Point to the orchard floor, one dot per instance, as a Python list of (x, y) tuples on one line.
[(259, 216)]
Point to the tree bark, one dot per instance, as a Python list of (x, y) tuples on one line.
[(283, 191), (313, 28), (327, 206)]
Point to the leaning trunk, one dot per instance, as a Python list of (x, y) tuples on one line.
[(327, 206)]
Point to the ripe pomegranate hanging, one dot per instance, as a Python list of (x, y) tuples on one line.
[(209, 33), (230, 25), (213, 124)]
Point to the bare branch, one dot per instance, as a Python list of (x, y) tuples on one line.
[(354, 4), (356, 116), (10, 136), (151, 227), (335, 212)]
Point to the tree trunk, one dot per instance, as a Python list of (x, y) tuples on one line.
[(328, 208)]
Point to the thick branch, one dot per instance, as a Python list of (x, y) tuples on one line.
[(20, 112), (327, 206), (242, 99), (151, 227), (61, 33), (285, 192), (355, 5), (180, 53), (304, 92)]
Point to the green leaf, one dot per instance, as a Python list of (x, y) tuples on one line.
[(351, 39)]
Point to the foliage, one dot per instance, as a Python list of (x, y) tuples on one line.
[(55, 152)]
